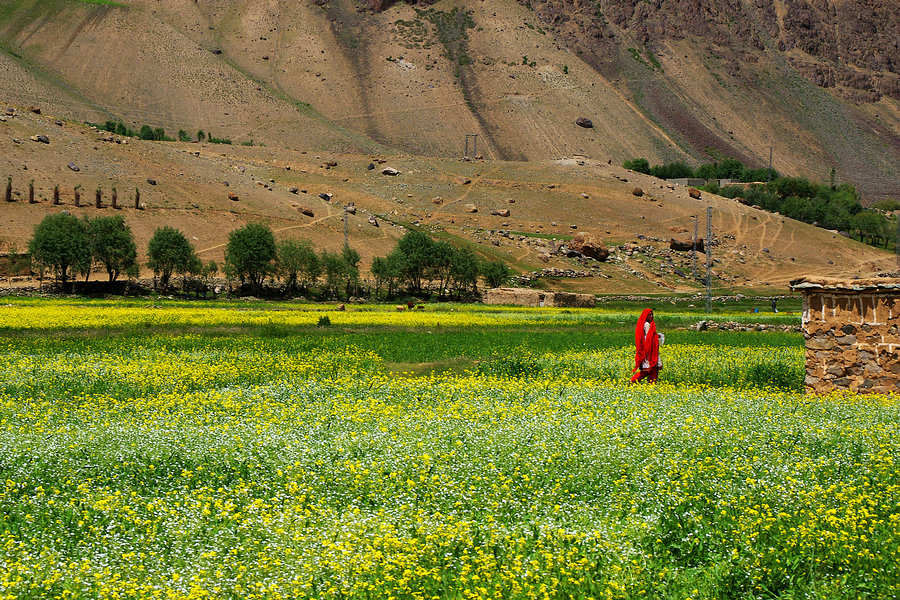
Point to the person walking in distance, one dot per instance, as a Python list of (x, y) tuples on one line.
[(646, 353)]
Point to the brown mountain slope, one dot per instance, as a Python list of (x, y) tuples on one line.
[(192, 182), (663, 79)]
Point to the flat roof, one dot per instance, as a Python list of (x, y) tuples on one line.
[(833, 284)]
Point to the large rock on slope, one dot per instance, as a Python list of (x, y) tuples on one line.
[(589, 245)]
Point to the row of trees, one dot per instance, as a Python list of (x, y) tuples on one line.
[(827, 205), (728, 168), (157, 134), (418, 263), (69, 247)]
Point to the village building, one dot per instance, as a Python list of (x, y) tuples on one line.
[(529, 297), (852, 331)]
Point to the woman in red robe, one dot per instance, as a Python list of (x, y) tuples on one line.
[(646, 354)]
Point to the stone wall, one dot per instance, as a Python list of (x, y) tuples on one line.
[(529, 297), (852, 336)]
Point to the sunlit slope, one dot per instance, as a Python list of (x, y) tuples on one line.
[(207, 190)]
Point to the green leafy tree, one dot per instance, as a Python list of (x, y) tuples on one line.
[(414, 253), (464, 271), (250, 253), (61, 243), (386, 270), (729, 168), (440, 264), (641, 165), (870, 225), (351, 269), (707, 171), (333, 266), (112, 245), (495, 274), (673, 170), (887, 205), (298, 263), (169, 252)]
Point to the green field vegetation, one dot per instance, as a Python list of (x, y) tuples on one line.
[(152, 448)]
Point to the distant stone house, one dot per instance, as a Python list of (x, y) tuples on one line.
[(852, 331), (529, 297)]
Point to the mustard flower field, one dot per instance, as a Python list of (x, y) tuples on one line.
[(152, 450)]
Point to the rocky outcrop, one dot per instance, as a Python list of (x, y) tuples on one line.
[(853, 44), (379, 5)]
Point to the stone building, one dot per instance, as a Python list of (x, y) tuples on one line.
[(529, 297), (852, 338)]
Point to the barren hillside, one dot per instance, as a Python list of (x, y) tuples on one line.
[(815, 83), (190, 186)]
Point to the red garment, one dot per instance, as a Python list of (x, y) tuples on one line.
[(652, 373), (646, 345)]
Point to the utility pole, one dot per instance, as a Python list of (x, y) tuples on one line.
[(897, 245), (708, 259), (346, 242), (694, 251)]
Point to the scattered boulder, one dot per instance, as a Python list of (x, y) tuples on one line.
[(40, 138), (234, 197), (294, 190), (584, 122), (305, 210), (589, 245), (35, 109), (694, 193), (331, 163), (682, 245), (390, 171), (373, 221), (437, 200), (471, 208), (325, 196), (678, 229), (73, 167), (637, 192), (350, 209), (510, 200), (463, 180), (151, 181), (500, 212)]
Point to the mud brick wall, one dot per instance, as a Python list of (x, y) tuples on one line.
[(528, 297), (852, 339)]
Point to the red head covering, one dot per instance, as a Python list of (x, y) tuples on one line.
[(646, 345)]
